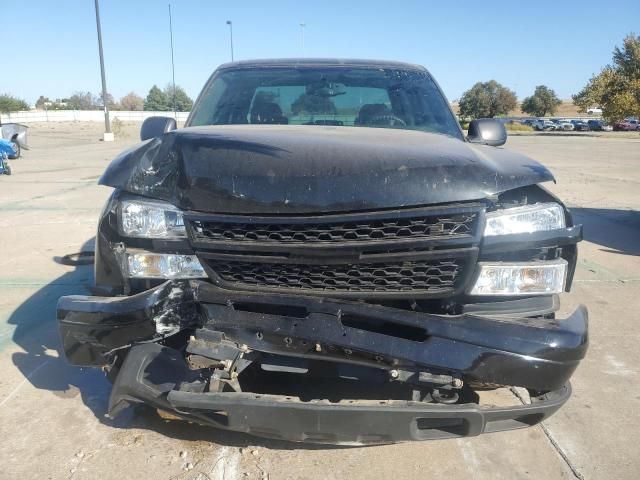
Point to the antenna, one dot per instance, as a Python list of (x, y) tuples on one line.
[(173, 68)]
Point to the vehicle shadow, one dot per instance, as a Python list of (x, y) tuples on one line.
[(42, 363), (616, 230)]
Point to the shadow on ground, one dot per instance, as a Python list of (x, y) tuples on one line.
[(616, 230), (43, 364)]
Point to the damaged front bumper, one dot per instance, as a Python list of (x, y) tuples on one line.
[(226, 336), (157, 375)]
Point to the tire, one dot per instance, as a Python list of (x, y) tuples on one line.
[(16, 147)]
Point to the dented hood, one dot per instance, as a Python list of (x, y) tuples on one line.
[(278, 169)]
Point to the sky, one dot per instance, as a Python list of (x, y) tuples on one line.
[(520, 44)]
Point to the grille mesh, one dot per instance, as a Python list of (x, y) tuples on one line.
[(405, 276), (345, 231)]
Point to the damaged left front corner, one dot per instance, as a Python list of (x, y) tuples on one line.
[(92, 328)]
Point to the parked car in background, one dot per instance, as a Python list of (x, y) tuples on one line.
[(594, 111), (544, 125), (563, 124), (599, 126), (580, 125), (17, 135), (7, 150), (529, 121), (628, 124)]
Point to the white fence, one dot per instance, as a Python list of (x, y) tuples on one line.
[(32, 116)]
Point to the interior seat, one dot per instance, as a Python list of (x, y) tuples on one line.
[(370, 112), (268, 113)]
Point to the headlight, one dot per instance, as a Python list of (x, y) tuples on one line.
[(530, 278), (150, 219), (527, 219), (162, 265)]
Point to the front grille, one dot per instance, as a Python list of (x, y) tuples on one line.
[(408, 253), (404, 276), (418, 227)]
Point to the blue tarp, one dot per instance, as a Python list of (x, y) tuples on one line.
[(6, 147)]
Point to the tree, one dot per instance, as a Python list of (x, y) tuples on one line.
[(9, 103), (183, 102), (486, 100), (616, 89), (132, 102), (543, 101), (156, 100), (313, 104), (42, 102), (111, 103), (627, 59), (82, 101)]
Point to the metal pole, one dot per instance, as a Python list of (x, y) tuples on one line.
[(107, 124), (302, 25), (173, 68), (230, 23)]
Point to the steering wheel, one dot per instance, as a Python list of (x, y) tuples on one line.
[(387, 119)]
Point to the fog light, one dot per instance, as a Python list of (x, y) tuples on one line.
[(531, 278), (161, 265)]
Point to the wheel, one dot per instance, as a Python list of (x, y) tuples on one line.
[(16, 148)]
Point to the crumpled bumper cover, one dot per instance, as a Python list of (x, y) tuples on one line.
[(537, 354), (153, 374)]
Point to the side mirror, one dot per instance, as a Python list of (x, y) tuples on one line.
[(154, 127), (487, 131)]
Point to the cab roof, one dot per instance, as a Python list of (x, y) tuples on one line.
[(320, 62)]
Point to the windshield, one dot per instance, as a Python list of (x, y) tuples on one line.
[(338, 96)]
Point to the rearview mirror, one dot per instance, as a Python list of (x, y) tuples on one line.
[(325, 89), (487, 131), (153, 127)]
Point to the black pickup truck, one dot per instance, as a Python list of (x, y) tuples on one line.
[(322, 255)]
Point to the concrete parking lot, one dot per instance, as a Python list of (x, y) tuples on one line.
[(52, 416)]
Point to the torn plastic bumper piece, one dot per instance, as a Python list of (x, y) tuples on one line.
[(91, 327), (535, 353), (160, 377)]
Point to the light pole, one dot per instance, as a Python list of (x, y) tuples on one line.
[(230, 23), (108, 136), (302, 25), (173, 68)]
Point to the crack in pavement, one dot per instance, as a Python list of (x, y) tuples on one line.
[(24, 381), (552, 440), (559, 450)]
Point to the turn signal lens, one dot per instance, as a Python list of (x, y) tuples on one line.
[(159, 265), (534, 278)]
